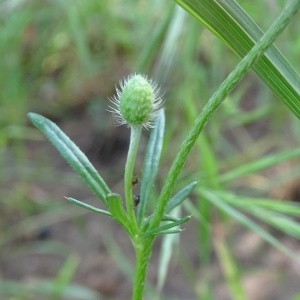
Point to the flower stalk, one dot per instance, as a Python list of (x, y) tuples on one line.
[(135, 136), (143, 253)]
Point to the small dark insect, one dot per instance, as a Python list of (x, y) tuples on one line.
[(44, 233), (136, 200), (135, 180)]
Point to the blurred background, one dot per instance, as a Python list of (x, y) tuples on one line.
[(63, 59)]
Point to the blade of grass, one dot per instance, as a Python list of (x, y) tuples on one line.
[(273, 205), (242, 219), (255, 166), (275, 213), (64, 276), (217, 98), (72, 15), (156, 35), (228, 21), (281, 222), (230, 271)]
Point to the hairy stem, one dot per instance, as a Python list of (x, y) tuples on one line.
[(143, 252), (135, 136)]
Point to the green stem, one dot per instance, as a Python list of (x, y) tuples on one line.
[(217, 98), (135, 136), (143, 253)]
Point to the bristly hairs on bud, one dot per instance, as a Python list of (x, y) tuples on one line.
[(137, 101)]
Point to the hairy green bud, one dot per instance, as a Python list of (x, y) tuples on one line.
[(137, 102)]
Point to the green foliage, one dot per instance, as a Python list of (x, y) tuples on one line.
[(143, 235), (231, 271), (243, 219), (151, 163), (87, 41), (228, 21)]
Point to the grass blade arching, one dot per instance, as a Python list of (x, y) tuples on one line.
[(228, 21)]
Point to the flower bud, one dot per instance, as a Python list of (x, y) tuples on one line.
[(137, 102)]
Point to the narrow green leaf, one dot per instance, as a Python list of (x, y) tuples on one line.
[(228, 21), (64, 276), (153, 42), (197, 214), (241, 218), (180, 197), (284, 207), (169, 218), (168, 246), (272, 205), (151, 163), (72, 154), (88, 207), (268, 211), (164, 228), (279, 221), (230, 271), (215, 101), (165, 218), (114, 203), (258, 165), (169, 232)]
